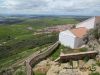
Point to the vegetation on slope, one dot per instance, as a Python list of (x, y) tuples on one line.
[(94, 33), (56, 54), (17, 41), (19, 48), (20, 71)]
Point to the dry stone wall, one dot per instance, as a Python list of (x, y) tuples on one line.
[(38, 57)]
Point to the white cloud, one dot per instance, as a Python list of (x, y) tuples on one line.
[(52, 6)]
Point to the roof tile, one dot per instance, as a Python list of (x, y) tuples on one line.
[(79, 32)]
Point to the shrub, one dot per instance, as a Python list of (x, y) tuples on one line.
[(83, 49), (86, 59)]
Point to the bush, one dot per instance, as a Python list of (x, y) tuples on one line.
[(83, 49), (86, 59)]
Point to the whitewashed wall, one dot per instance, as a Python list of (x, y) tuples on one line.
[(97, 19), (66, 38), (78, 42), (89, 24)]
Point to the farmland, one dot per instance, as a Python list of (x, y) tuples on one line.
[(17, 39)]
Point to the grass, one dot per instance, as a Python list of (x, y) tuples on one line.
[(56, 53), (39, 73), (94, 73), (12, 31), (17, 49), (20, 71), (66, 50), (50, 21), (83, 49), (12, 59), (19, 56), (60, 49), (9, 32)]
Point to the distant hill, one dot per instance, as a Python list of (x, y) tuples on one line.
[(12, 19)]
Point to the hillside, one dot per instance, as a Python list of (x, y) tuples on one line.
[(17, 39)]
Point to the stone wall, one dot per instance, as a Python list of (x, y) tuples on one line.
[(78, 56), (38, 57)]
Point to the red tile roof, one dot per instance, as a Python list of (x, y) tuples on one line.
[(79, 32)]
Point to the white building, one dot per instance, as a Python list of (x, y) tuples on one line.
[(73, 38), (89, 23)]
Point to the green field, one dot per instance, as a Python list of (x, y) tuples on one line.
[(18, 42)]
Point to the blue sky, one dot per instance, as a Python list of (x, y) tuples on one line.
[(55, 7)]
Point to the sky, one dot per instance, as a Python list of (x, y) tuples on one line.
[(53, 7)]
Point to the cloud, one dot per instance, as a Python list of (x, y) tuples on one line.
[(24, 4), (51, 6)]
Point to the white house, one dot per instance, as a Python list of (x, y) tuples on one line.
[(73, 37), (89, 23)]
